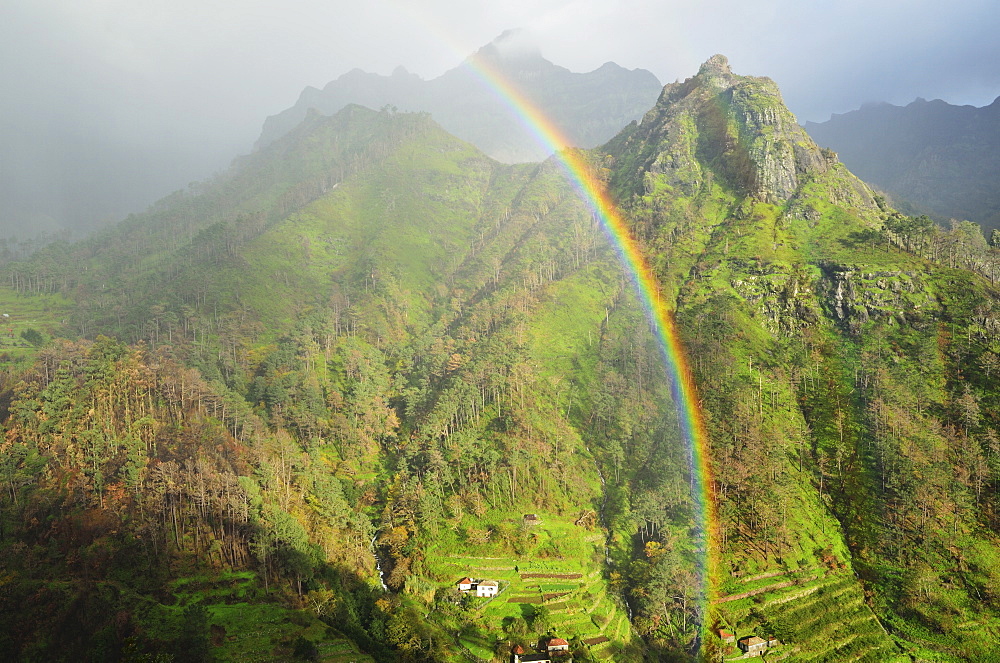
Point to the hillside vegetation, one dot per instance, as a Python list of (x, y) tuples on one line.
[(280, 416)]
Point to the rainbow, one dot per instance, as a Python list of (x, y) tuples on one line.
[(633, 259), (636, 265)]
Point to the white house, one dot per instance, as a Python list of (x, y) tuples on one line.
[(487, 588)]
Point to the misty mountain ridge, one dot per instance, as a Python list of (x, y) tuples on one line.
[(930, 156), (589, 108)]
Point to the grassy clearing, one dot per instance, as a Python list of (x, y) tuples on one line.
[(241, 626), (46, 315)]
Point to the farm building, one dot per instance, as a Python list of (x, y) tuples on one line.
[(752, 645), (487, 588), (531, 658)]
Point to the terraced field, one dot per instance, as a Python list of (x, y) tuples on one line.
[(573, 590), (818, 615), (20, 315)]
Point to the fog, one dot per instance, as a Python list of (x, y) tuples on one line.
[(107, 105)]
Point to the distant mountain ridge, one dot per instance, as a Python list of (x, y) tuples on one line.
[(589, 108), (940, 159)]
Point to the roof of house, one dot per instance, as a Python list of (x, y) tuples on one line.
[(489, 583), (723, 633), (517, 649), (753, 640), (557, 642), (465, 581), (540, 658)]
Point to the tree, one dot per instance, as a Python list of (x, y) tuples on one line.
[(33, 336), (541, 618), (193, 644), (305, 649)]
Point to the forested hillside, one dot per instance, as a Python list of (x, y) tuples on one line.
[(281, 416)]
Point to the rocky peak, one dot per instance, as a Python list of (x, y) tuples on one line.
[(717, 64), (715, 72), (512, 46), (722, 125)]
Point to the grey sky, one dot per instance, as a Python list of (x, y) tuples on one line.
[(186, 84)]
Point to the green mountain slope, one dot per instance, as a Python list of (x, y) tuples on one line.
[(300, 402), (422, 338), (804, 323)]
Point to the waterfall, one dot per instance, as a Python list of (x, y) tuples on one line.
[(378, 565)]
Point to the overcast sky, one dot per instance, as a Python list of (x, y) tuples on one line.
[(189, 82)]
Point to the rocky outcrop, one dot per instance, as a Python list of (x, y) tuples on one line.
[(718, 124), (853, 296), (783, 295)]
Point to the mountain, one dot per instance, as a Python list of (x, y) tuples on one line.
[(931, 156), (840, 355), (284, 413), (589, 108), (378, 321)]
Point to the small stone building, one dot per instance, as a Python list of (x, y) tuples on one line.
[(752, 645)]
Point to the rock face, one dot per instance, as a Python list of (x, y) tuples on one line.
[(854, 296), (735, 126), (588, 108)]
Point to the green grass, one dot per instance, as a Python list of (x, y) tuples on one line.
[(46, 314)]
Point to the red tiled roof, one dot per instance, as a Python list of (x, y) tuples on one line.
[(465, 581), (556, 642)]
